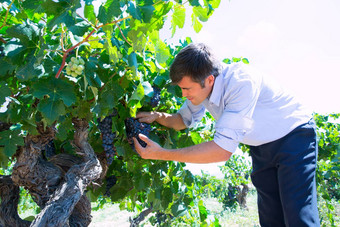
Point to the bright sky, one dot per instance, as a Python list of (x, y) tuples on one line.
[(296, 42)]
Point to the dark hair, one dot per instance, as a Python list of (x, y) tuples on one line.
[(196, 61)]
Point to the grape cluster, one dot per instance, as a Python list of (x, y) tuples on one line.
[(134, 127), (2, 54), (110, 182), (75, 67), (156, 97), (105, 127)]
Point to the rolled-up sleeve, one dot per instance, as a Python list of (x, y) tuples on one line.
[(230, 130), (191, 114)]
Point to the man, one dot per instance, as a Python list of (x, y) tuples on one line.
[(248, 109)]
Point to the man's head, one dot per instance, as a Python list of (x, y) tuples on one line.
[(195, 61)]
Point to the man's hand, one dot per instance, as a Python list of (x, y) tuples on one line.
[(150, 151), (174, 121), (147, 117)]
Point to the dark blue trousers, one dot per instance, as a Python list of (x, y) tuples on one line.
[(284, 177)]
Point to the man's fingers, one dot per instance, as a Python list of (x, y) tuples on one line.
[(144, 119), (137, 145), (147, 117), (142, 114), (143, 137)]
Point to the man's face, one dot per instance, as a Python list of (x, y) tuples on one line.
[(193, 91)]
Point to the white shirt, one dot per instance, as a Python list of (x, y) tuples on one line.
[(248, 108)]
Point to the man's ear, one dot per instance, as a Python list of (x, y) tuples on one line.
[(211, 80)]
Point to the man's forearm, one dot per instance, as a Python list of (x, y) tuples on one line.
[(174, 121), (207, 152)]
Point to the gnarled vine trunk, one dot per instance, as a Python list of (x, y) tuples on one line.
[(9, 194), (56, 185), (242, 195)]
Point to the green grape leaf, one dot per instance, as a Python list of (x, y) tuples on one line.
[(147, 13), (132, 60), (4, 159), (196, 137), (29, 125), (59, 12), (178, 209), (27, 33), (102, 15), (142, 181), (138, 93), (245, 60), (148, 90), (89, 13), (134, 11), (113, 52), (4, 92), (64, 126), (227, 61), (6, 67), (167, 196), (29, 70), (82, 110), (80, 28), (203, 211), (178, 18), (189, 179), (113, 9), (110, 96), (196, 24), (215, 3), (194, 2), (161, 49), (51, 110), (201, 13), (33, 7), (236, 59), (10, 139), (56, 89), (138, 38)]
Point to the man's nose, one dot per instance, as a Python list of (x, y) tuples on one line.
[(184, 93)]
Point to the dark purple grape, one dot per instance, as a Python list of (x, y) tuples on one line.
[(110, 182), (134, 127), (105, 127), (156, 97)]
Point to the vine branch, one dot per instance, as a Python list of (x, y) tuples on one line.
[(9, 7), (83, 41), (121, 32), (2, 40), (85, 20)]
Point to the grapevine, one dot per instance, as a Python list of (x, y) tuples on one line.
[(41, 52)]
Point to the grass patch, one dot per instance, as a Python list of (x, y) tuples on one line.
[(238, 217), (110, 215)]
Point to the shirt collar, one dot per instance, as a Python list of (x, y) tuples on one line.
[(217, 90)]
